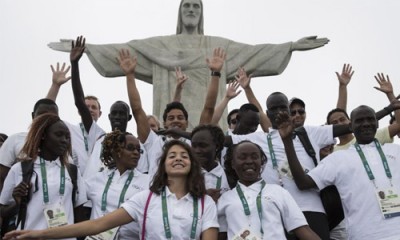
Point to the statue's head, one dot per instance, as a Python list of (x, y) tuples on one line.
[(190, 15)]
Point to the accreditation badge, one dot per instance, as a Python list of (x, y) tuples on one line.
[(55, 215), (246, 234), (389, 202), (107, 235)]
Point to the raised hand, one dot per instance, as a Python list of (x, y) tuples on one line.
[(345, 77), (59, 74), (126, 62), (308, 43), (217, 61), (232, 90), (242, 78), (78, 47), (181, 77), (285, 125), (385, 85)]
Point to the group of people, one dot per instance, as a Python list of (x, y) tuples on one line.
[(200, 181)]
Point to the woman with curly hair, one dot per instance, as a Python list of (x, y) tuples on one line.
[(175, 207), (121, 180), (50, 187)]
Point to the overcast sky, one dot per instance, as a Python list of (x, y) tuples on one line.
[(363, 33)]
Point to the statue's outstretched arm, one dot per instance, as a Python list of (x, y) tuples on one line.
[(308, 43), (64, 45)]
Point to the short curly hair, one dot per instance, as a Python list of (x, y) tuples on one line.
[(113, 143)]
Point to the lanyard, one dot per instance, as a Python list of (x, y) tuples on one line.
[(167, 228), (44, 181), (84, 137), (366, 165), (273, 158), (121, 196), (245, 205), (219, 182)]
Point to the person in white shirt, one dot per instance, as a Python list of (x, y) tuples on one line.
[(207, 144), (255, 208), (360, 174), (114, 185), (48, 145), (175, 207), (277, 169)]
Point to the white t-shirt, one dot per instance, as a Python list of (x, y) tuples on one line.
[(83, 142), (320, 136), (345, 170), (35, 218), (211, 178), (180, 215), (154, 146), (279, 211), (96, 185), (11, 148)]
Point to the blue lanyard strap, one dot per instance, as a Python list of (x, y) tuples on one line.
[(245, 205), (45, 186), (167, 228), (273, 158), (366, 165)]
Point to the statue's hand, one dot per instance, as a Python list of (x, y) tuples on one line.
[(64, 45), (308, 43)]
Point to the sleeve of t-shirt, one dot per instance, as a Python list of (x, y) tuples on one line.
[(221, 208), (383, 135), (209, 218), (292, 216), (81, 195), (325, 173), (8, 152), (135, 206), (321, 135)]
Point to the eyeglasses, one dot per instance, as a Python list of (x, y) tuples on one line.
[(300, 111), (233, 121), (133, 148)]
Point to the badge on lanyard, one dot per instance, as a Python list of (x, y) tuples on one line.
[(389, 202), (55, 215), (107, 235), (246, 234)]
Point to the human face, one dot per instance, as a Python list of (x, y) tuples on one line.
[(249, 121), (175, 119), (338, 118), (153, 124), (232, 121), (276, 103), (94, 109), (203, 147), (364, 124), (130, 154), (177, 162), (45, 108), (191, 12), (298, 114), (247, 163), (56, 140), (119, 116)]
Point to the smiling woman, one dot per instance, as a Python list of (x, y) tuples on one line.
[(272, 210)]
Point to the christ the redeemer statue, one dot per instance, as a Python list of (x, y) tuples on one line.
[(157, 58)]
